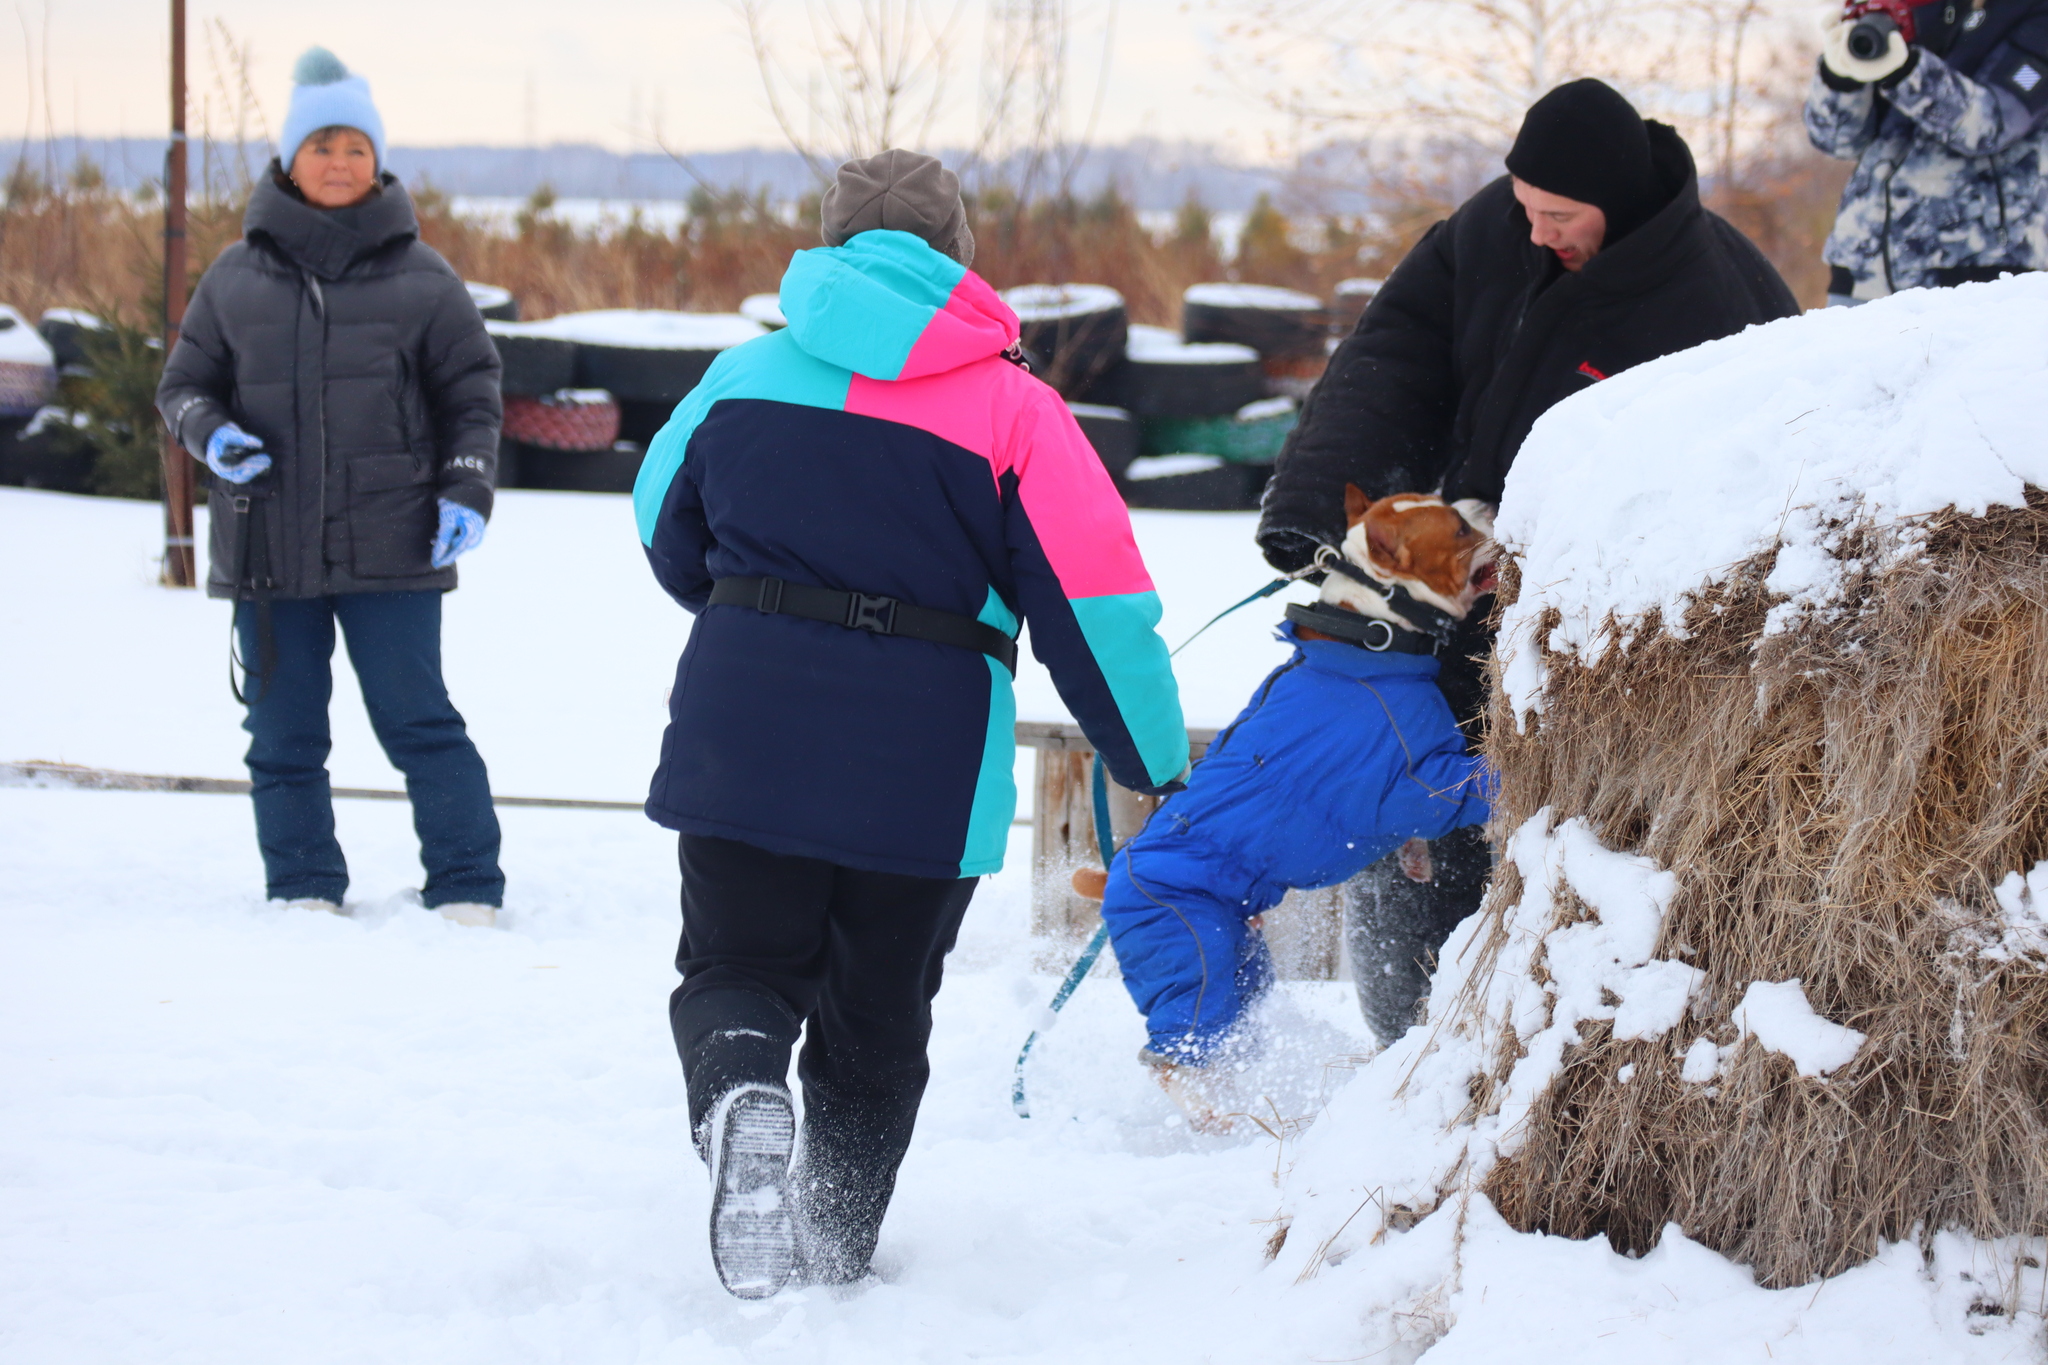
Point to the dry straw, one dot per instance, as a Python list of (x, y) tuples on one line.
[(1837, 801)]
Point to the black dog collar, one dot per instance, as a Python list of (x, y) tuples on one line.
[(1367, 632)]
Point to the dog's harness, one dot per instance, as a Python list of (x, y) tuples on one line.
[(1371, 632)]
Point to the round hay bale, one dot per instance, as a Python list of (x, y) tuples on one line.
[(1280, 324), (532, 361), (1770, 930), (1073, 332), (494, 302), (567, 419), (1163, 376)]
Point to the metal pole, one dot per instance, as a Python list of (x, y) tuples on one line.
[(178, 473)]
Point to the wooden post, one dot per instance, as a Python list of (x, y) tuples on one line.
[(179, 570)]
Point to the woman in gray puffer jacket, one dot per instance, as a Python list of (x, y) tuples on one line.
[(336, 378)]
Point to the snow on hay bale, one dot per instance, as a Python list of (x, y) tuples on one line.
[(1766, 957), (1782, 635)]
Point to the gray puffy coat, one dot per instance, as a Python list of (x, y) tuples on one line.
[(1951, 158), (355, 352)]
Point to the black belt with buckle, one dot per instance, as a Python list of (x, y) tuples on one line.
[(863, 611)]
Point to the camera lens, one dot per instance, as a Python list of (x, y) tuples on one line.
[(1872, 37)]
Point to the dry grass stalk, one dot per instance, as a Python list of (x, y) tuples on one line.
[(1837, 802)]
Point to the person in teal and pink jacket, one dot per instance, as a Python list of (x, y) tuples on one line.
[(863, 510)]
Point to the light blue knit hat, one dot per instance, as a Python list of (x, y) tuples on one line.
[(325, 95)]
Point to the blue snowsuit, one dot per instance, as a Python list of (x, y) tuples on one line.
[(1341, 757)]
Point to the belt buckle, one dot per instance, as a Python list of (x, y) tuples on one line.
[(877, 614)]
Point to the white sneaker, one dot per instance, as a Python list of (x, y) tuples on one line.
[(314, 903), (753, 1235), (469, 912)]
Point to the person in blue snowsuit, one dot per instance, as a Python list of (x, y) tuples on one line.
[(1342, 756)]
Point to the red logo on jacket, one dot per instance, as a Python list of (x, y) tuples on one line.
[(1586, 369)]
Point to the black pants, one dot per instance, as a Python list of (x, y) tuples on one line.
[(773, 945), (1393, 927)]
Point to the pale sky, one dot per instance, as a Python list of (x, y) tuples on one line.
[(445, 73)]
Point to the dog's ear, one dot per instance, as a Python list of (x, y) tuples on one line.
[(1384, 545), (1355, 503)]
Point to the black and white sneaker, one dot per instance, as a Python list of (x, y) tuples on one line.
[(753, 1232)]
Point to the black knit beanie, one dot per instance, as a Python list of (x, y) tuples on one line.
[(1585, 142)]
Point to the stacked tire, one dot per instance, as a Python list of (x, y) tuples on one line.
[(66, 330), (618, 372), (1289, 329), (1347, 304), (28, 367), (494, 302), (765, 309), (1207, 432), (1074, 334), (28, 384)]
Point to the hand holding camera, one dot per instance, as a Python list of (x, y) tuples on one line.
[(1873, 41)]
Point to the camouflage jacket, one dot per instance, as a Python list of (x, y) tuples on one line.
[(1951, 161)]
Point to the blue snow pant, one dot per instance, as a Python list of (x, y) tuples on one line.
[(1163, 907), (394, 642)]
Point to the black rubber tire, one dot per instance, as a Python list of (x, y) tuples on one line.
[(66, 338), (1276, 333), (641, 374), (57, 457), (640, 422), (1112, 431), (494, 301), (1348, 303), (1226, 488), (580, 471), (1156, 388), (534, 365), (1074, 350)]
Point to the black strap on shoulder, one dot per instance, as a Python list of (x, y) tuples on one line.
[(1367, 632), (861, 611)]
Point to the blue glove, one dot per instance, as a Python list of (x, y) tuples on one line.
[(462, 530), (234, 454)]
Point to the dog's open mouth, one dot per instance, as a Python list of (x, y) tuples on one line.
[(1485, 577)]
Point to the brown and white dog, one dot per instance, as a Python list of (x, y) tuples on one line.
[(1437, 552), (1415, 557)]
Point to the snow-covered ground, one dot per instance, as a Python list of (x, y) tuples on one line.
[(230, 1133)]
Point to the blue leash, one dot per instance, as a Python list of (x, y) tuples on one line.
[(1105, 844), (1266, 591)]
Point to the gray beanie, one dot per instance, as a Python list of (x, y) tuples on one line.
[(902, 191)]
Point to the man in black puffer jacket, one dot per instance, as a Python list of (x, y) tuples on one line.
[(338, 382), (1594, 254)]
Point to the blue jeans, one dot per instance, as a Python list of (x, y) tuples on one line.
[(394, 641)]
